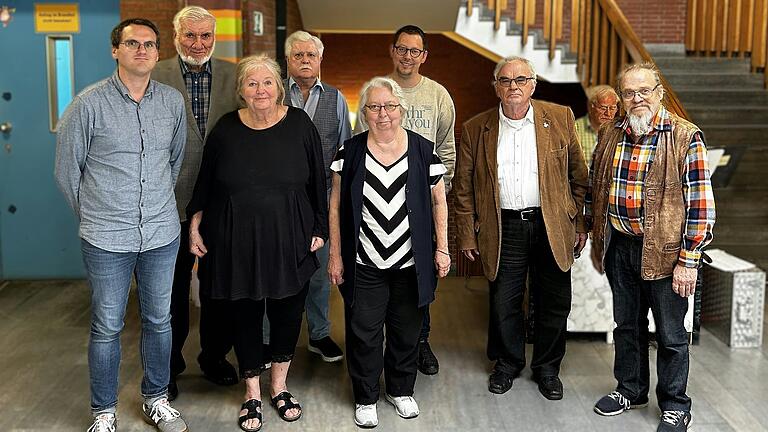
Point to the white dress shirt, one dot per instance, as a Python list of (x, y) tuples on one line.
[(517, 162)]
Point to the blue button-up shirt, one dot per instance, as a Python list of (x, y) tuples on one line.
[(117, 161)]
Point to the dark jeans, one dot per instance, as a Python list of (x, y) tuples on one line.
[(632, 296), (524, 246), (383, 298), (243, 320), (215, 343)]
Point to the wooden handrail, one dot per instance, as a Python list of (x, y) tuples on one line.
[(730, 28), (614, 44)]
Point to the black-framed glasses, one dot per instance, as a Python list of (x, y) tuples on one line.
[(643, 93), (387, 107), (414, 52), (134, 45), (519, 81)]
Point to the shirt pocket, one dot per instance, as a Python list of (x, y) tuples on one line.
[(163, 128)]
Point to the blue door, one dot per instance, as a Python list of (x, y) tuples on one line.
[(38, 231)]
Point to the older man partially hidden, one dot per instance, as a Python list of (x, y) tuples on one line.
[(653, 210)]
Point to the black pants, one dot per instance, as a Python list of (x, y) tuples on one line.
[(383, 298), (243, 320), (212, 338), (524, 247)]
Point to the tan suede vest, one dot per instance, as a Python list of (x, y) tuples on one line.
[(664, 206)]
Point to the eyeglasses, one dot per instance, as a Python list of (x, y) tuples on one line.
[(606, 108), (192, 36), (643, 93), (507, 82), (300, 55), (415, 52), (134, 45), (387, 107)]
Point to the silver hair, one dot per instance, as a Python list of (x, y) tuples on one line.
[(647, 65), (595, 93), (380, 82), (511, 59), (251, 63), (192, 13), (302, 36)]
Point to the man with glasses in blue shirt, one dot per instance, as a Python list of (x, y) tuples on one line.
[(208, 86), (520, 188), (119, 149)]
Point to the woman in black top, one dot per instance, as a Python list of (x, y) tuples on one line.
[(387, 204), (258, 214)]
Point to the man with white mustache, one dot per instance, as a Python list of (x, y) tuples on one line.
[(208, 87), (652, 210)]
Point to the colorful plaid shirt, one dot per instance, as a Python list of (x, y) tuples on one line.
[(199, 91), (587, 137), (631, 162)]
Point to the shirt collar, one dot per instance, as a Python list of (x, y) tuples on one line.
[(120, 86), (516, 123), (661, 121), (186, 70), (292, 83)]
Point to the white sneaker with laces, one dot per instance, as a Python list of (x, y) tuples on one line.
[(366, 416), (164, 417), (104, 423), (405, 406)]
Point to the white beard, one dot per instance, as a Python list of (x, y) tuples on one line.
[(191, 60), (640, 124)]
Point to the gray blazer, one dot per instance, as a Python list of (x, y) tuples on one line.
[(224, 99)]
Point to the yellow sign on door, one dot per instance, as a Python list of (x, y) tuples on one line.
[(57, 18)]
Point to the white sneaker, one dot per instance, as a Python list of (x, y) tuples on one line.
[(365, 415), (104, 423), (406, 406)]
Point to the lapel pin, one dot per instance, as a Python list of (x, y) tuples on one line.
[(546, 124)]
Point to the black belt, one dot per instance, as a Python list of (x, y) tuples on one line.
[(526, 214)]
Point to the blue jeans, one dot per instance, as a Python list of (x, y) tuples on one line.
[(109, 275), (319, 292), (632, 297)]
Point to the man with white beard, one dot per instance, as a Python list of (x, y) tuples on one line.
[(209, 89), (652, 210)]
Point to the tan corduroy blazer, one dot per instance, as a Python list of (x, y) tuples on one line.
[(562, 184)]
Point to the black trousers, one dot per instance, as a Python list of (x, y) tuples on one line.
[(383, 298), (215, 343), (524, 247), (243, 320)]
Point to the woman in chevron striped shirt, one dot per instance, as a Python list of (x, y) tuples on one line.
[(388, 242)]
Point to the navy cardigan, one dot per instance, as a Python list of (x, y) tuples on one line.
[(418, 199)]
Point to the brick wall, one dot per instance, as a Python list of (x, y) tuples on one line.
[(160, 12), (654, 21)]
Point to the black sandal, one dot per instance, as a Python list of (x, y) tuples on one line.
[(254, 412), (286, 397)]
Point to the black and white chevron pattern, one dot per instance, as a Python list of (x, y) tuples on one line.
[(385, 237)]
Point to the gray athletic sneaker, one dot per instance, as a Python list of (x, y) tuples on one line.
[(164, 417)]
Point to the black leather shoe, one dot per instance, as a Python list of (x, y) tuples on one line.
[(427, 361), (551, 387), (220, 373), (173, 389), (500, 382)]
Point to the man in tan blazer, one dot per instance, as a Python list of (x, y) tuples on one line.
[(209, 89), (520, 184)]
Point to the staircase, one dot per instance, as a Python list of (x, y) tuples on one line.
[(730, 105), (477, 31)]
